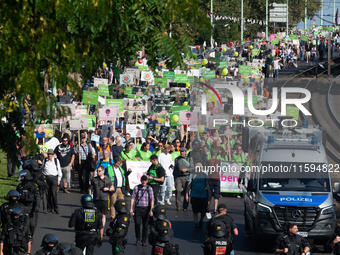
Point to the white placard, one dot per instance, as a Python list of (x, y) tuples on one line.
[(98, 81), (139, 168)]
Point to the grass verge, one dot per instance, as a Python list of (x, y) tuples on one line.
[(6, 183)]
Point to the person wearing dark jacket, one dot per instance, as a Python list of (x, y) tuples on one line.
[(334, 242), (183, 167), (291, 243)]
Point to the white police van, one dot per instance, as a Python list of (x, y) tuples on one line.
[(288, 181)]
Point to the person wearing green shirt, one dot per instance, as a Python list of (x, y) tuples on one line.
[(239, 156), (144, 153), (206, 149), (139, 143), (222, 154), (128, 153), (159, 149), (174, 153)]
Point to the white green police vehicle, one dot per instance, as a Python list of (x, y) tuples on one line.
[(288, 181)]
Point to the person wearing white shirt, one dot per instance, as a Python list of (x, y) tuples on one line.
[(166, 161), (276, 68), (52, 171)]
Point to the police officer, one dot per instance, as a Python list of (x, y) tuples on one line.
[(87, 222), (15, 237), (159, 213), (291, 243), (162, 245), (228, 221), (29, 197), (334, 242), (217, 242), (119, 227), (6, 208), (51, 246), (48, 243)]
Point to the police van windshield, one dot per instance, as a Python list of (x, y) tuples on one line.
[(294, 177)]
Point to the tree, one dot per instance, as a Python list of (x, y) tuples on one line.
[(58, 37)]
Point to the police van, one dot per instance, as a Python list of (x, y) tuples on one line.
[(287, 180)]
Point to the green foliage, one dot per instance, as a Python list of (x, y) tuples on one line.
[(57, 37)]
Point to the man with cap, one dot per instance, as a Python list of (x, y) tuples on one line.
[(183, 167), (156, 176), (143, 198), (87, 222), (228, 221), (52, 171), (119, 227)]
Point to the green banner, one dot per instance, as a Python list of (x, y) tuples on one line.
[(117, 72), (293, 111), (178, 109), (209, 74), (181, 78), (169, 75), (105, 90), (243, 42), (275, 41), (329, 29), (90, 97), (223, 64), (116, 102), (254, 71), (304, 38), (293, 37), (198, 66), (142, 68), (336, 28), (256, 52), (91, 120), (128, 92), (244, 69), (315, 33), (161, 82)]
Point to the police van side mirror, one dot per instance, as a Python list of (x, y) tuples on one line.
[(251, 186), (336, 187)]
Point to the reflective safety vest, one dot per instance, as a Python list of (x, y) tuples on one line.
[(153, 173), (111, 174)]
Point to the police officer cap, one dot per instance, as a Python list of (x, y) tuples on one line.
[(120, 206), (27, 175), (159, 212), (17, 211), (218, 229), (164, 234), (49, 238), (12, 193), (87, 201)]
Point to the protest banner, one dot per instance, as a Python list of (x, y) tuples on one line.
[(98, 81), (90, 97), (229, 174), (135, 130), (126, 79), (139, 168), (108, 113), (44, 131)]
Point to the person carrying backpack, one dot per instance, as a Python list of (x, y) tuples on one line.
[(143, 199), (230, 226)]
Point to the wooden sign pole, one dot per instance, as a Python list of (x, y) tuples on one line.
[(79, 146)]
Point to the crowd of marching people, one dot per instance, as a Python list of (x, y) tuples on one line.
[(70, 161)]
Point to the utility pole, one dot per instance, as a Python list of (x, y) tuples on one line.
[(241, 20), (287, 32), (334, 12), (321, 13), (305, 14), (267, 39), (211, 20)]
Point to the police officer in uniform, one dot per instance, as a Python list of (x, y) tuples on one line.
[(6, 208), (48, 243), (51, 246), (159, 213), (15, 237), (334, 242), (162, 244), (119, 227), (217, 242), (29, 197), (87, 222), (291, 243)]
